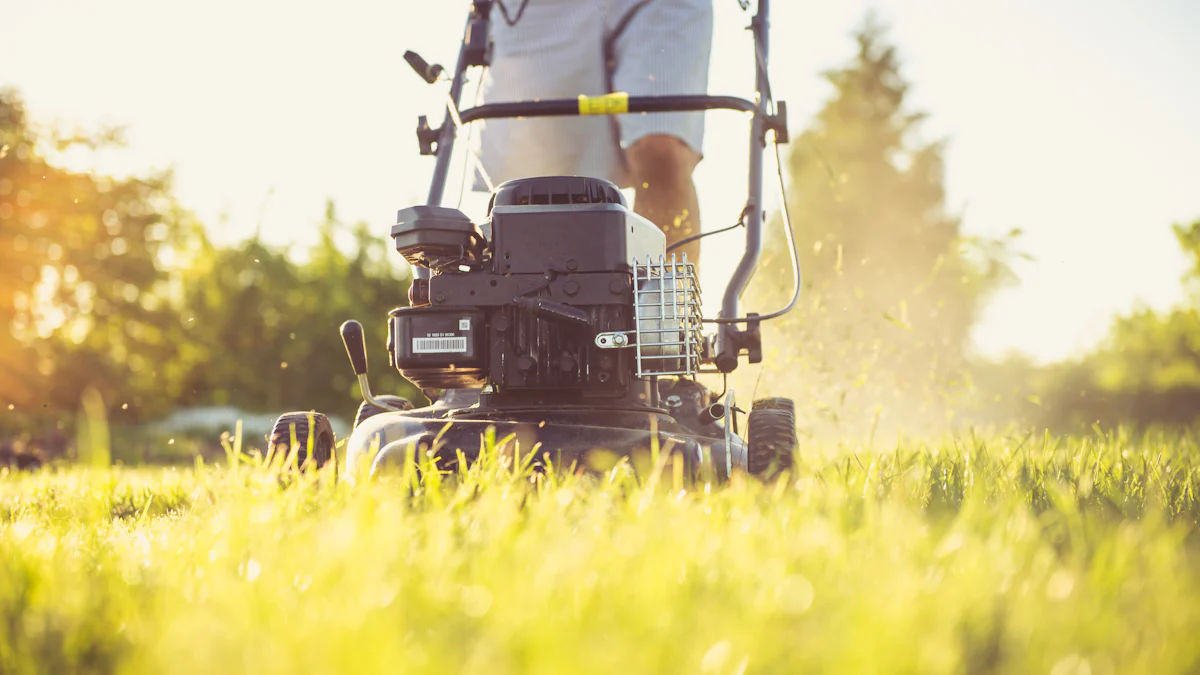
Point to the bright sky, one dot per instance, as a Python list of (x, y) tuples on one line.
[(1073, 120)]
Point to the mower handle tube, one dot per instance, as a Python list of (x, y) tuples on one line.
[(727, 345)]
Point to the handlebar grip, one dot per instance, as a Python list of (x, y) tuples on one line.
[(427, 72), (352, 337)]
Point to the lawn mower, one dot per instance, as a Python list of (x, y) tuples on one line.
[(563, 321)]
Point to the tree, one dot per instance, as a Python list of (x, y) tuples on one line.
[(1147, 371), (264, 328), (892, 287), (81, 292), (110, 284)]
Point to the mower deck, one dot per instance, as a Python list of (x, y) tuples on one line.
[(591, 438)]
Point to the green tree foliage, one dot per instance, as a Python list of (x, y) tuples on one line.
[(109, 284), (81, 291), (263, 329), (892, 287), (1147, 371)]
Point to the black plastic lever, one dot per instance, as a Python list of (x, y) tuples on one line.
[(738, 342), (549, 309), (427, 137), (429, 73), (352, 337)]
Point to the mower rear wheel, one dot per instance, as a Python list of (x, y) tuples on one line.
[(776, 403), (321, 432), (771, 440), (367, 410)]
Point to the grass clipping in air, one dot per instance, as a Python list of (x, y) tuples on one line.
[(1020, 555)]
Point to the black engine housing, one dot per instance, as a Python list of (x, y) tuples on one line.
[(522, 312)]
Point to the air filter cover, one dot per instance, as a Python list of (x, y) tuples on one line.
[(429, 236)]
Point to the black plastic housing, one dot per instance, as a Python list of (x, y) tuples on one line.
[(440, 347), (430, 236), (590, 238), (555, 272), (545, 190)]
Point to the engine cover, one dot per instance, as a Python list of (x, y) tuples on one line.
[(557, 270), (571, 238)]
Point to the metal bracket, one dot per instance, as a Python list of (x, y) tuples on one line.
[(739, 342), (778, 123), (751, 340), (614, 340), (427, 137)]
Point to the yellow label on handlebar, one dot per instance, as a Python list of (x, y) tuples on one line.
[(609, 104)]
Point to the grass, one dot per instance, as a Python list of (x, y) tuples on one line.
[(998, 554)]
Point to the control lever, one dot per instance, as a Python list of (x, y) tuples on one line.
[(352, 337), (429, 73), (549, 309)]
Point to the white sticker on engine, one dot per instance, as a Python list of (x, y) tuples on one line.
[(439, 345), (464, 324)]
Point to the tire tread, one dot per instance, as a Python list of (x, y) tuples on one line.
[(323, 441), (771, 437)]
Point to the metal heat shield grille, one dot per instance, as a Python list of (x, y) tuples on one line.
[(667, 317)]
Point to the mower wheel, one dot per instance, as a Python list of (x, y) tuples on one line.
[(321, 433), (771, 437), (775, 403), (366, 410)]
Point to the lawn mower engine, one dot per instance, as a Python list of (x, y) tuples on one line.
[(543, 311), (561, 320)]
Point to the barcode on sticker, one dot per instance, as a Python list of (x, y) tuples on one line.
[(439, 345)]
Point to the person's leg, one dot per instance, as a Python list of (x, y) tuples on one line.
[(664, 50), (660, 167)]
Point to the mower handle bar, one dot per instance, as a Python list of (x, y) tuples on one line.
[(605, 105)]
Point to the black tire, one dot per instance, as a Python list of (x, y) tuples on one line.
[(771, 437), (322, 434), (776, 403), (366, 410)]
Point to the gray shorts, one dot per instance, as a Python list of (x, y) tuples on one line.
[(556, 50)]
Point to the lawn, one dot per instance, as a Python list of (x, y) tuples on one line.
[(1007, 553)]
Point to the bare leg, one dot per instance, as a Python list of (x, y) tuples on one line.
[(661, 166)]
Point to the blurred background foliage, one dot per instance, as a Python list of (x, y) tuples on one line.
[(112, 285), (1147, 370), (893, 288)]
